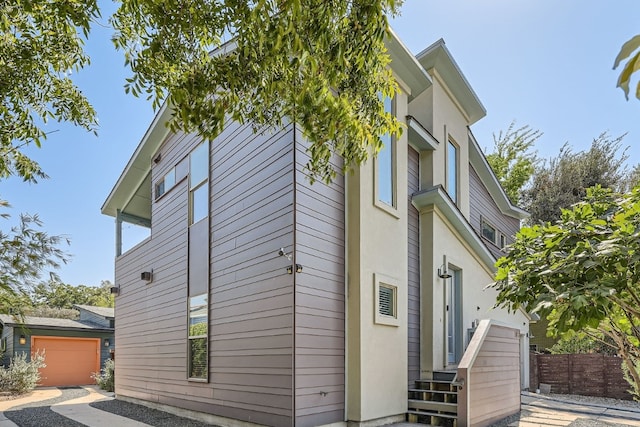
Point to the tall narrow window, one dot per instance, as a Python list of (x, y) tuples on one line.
[(198, 337), (452, 171), (198, 183), (385, 163)]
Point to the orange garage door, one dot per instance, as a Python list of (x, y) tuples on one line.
[(70, 361)]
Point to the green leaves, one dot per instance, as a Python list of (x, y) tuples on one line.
[(40, 43), (583, 271), (320, 65), (632, 65)]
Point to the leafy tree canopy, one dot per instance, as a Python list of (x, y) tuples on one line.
[(56, 294), (321, 64), (564, 179), (41, 43), (583, 271), (513, 159)]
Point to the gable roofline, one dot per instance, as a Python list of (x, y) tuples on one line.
[(138, 168), (405, 65), (106, 312), (490, 181), (51, 323), (438, 57)]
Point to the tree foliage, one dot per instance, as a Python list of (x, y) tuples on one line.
[(26, 252), (320, 64), (513, 159), (630, 51), (583, 271), (564, 180), (55, 294), (41, 43)]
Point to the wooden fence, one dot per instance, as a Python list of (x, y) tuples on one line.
[(583, 374)]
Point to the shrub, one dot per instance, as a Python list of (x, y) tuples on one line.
[(22, 376), (105, 377)]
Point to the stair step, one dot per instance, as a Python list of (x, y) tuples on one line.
[(436, 407), (434, 381), (444, 375), (432, 414), (422, 390)]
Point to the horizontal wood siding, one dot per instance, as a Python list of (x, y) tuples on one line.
[(482, 205), (494, 379), (251, 296), (251, 347), (414, 269), (320, 298)]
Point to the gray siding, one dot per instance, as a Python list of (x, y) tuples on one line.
[(251, 354), (251, 296), (482, 205), (413, 221), (87, 316), (320, 297)]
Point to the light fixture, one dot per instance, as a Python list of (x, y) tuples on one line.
[(22, 340), (290, 269), (443, 271), (147, 276), (298, 268), (157, 159), (106, 342), (115, 290)]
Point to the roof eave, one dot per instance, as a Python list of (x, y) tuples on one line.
[(438, 57), (490, 181), (405, 65), (139, 164)]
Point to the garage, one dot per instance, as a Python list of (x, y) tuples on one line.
[(74, 349), (70, 361)]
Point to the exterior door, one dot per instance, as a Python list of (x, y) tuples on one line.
[(454, 317)]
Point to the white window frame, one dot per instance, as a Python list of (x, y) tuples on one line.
[(392, 208), (455, 196), (382, 281)]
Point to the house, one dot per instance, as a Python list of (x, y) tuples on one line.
[(260, 298), (74, 349)]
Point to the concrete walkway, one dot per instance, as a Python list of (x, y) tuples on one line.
[(76, 409), (537, 411)]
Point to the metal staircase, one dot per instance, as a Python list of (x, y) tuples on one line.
[(434, 401)]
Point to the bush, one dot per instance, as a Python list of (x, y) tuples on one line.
[(22, 376), (105, 377)]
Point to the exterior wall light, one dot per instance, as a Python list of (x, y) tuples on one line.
[(22, 340), (115, 290), (443, 271), (298, 268), (106, 342)]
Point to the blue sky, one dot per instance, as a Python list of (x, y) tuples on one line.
[(545, 63)]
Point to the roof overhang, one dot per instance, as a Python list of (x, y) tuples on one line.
[(490, 181), (405, 65), (438, 57), (437, 196), (132, 193)]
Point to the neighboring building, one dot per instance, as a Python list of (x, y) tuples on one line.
[(262, 298), (74, 349)]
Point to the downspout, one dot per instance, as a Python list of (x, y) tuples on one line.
[(118, 233), (294, 261), (346, 297)]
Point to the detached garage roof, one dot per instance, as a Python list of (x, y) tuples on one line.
[(51, 323)]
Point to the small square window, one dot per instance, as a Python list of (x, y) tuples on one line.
[(488, 231), (386, 301)]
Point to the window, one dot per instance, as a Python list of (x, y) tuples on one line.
[(452, 171), (385, 164), (165, 184), (488, 231), (386, 301), (199, 183), (198, 337)]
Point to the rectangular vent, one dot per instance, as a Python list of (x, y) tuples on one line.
[(386, 301)]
